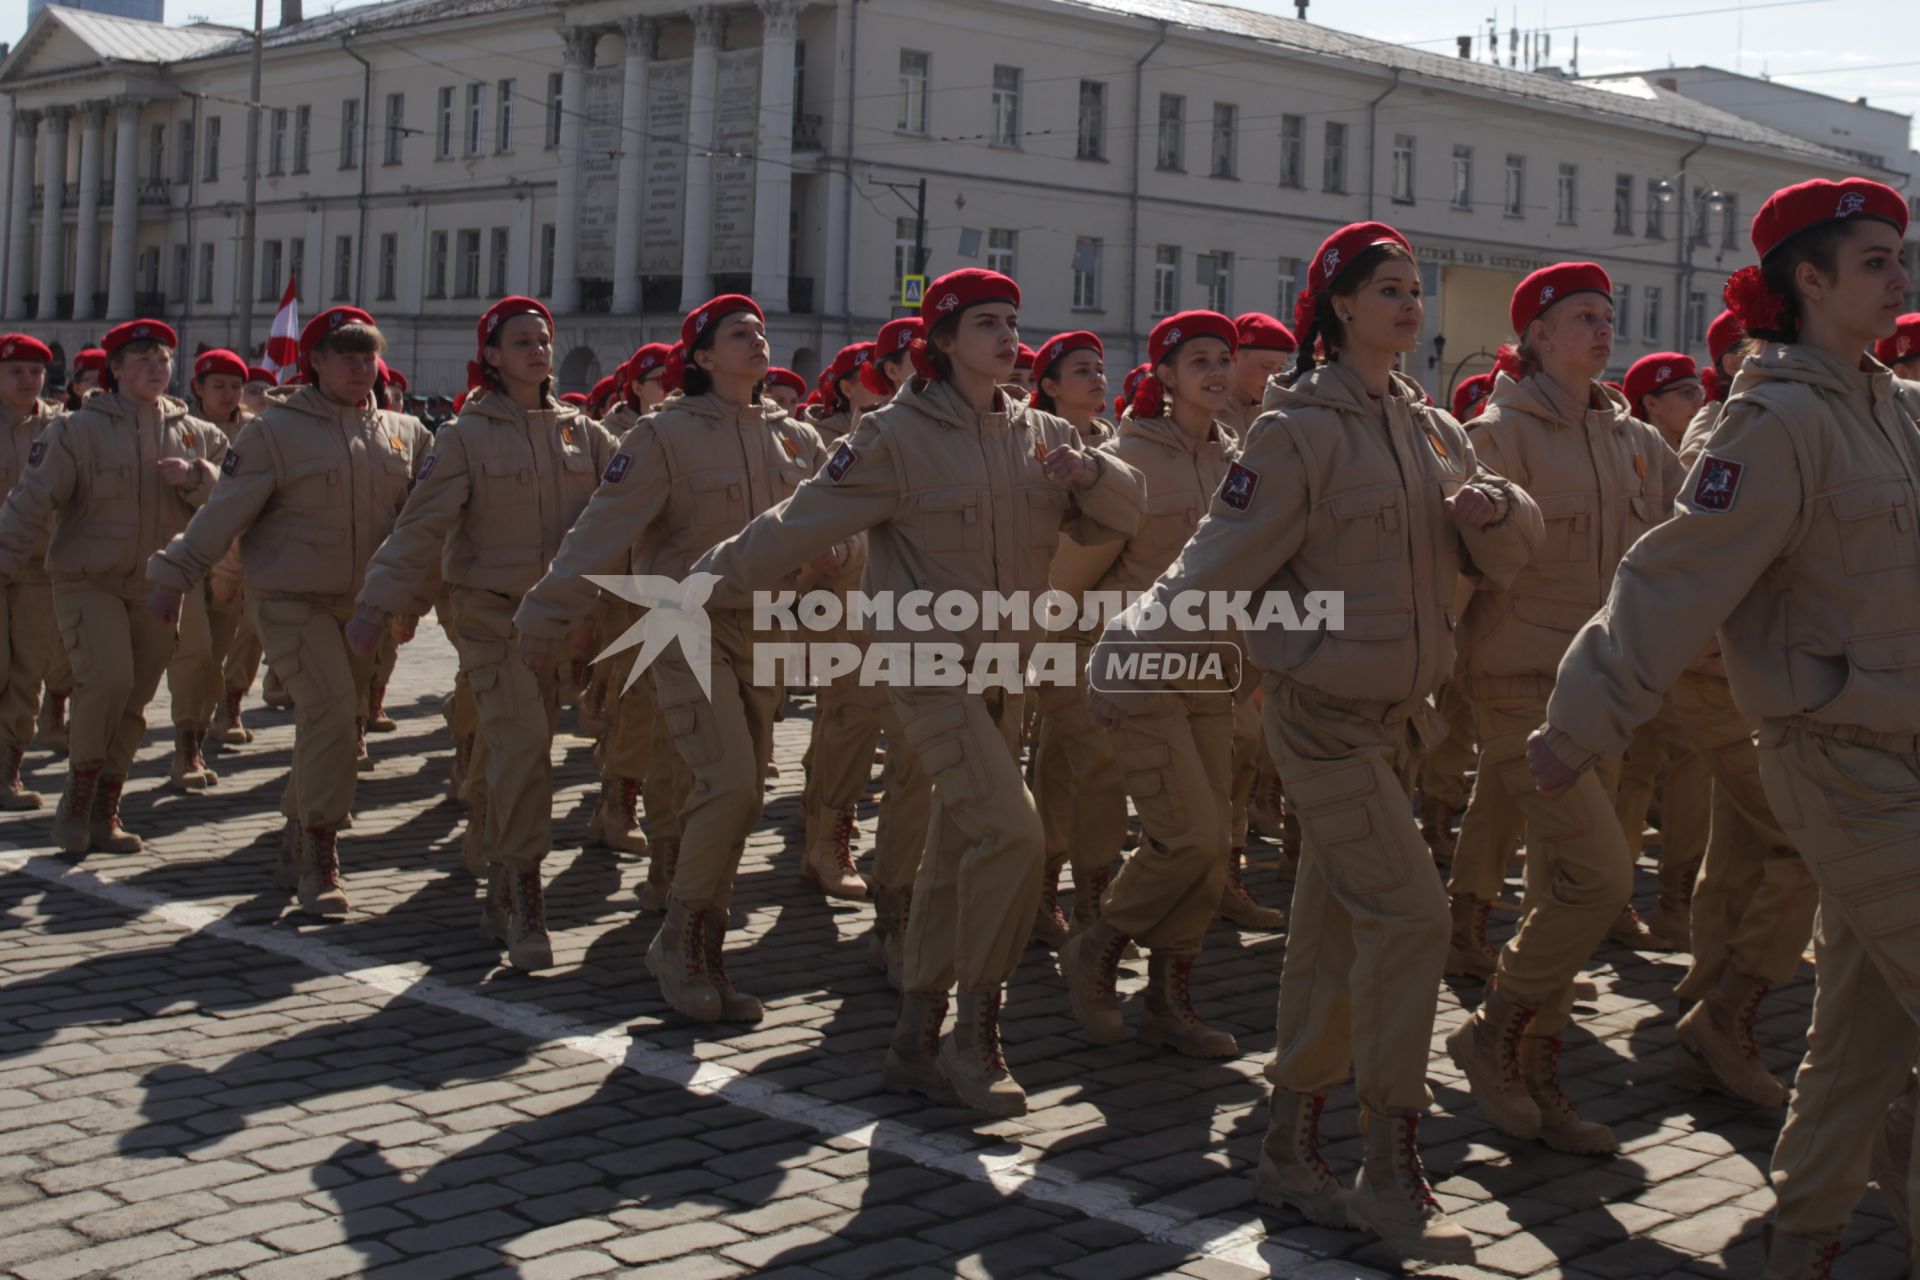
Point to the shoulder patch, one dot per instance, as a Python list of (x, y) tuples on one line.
[(426, 468), (1718, 484), (231, 463), (841, 462), (37, 452), (617, 469), (1238, 488)]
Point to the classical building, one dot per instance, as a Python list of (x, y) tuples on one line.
[(625, 159)]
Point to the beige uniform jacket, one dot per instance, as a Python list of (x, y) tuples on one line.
[(310, 490), (1602, 478), (1240, 415), (94, 475), (952, 500), (1335, 491), (1073, 570), (1797, 539), (14, 456), (492, 503), (689, 474)]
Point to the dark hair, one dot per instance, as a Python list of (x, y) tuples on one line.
[(1325, 328), (942, 362), (139, 346), (491, 372), (1523, 352), (1817, 245), (353, 339), (697, 381)]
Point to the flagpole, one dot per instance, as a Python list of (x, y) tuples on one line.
[(253, 188)]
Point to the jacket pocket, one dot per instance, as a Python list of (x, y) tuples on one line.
[(1568, 518), (1876, 528), (1046, 510), (1169, 521), (506, 483), (719, 498), (111, 483), (950, 520), (313, 486), (1367, 526)]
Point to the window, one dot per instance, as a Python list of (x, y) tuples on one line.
[(1173, 125), (183, 152), (437, 267), (1226, 128), (1516, 203), (915, 68), (476, 117), (1730, 223), (905, 237), (1000, 251), (350, 134), (1216, 277), (1462, 177), (443, 136), (1289, 291), (211, 172), (1166, 279), (1006, 107), (1403, 168), (555, 109), (296, 261), (157, 171), (1623, 204), (389, 265), (546, 259), (302, 137), (1650, 323), (277, 141), (1086, 274), (182, 271), (150, 269), (205, 292), (1333, 165), (1623, 311), (1696, 318), (497, 264), (467, 266), (1568, 197), (1293, 151), (503, 124), (1093, 120), (343, 289), (1656, 228), (396, 125), (270, 260)]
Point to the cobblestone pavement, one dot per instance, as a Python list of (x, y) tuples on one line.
[(196, 1082)]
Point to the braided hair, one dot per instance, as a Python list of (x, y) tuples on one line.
[(1323, 334)]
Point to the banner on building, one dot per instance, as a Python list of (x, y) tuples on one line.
[(663, 195), (736, 130), (601, 141)]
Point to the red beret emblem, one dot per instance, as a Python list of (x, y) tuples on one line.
[(1546, 295), (948, 303), (1850, 204)]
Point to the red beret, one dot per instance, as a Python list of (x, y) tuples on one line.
[(1552, 284), (575, 398), (1806, 205), (506, 309), (646, 361), (1055, 349), (778, 377), (1170, 334), (895, 337), (257, 374), (1131, 383), (1257, 329), (139, 331), (393, 377), (1023, 359), (718, 309), (603, 391), (1722, 334), (20, 346), (970, 287), (1471, 394), (1657, 372), (1337, 252), (325, 323), (220, 360), (850, 360), (90, 358), (1904, 344), (673, 374)]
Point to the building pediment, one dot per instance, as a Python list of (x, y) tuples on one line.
[(62, 42)]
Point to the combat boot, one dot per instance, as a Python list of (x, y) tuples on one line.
[(73, 818), (1170, 1021), (1486, 1049), (1629, 930), (616, 819), (378, 721), (1436, 825), (286, 873), (232, 731), (1673, 913), (828, 866), (1050, 924), (1718, 1031), (14, 795), (1469, 954), (529, 947), (678, 962), (1293, 1174), (913, 1055), (51, 729), (1800, 1257), (1237, 904), (1391, 1197), (1086, 899), (660, 867), (1090, 962), (361, 760), (321, 893), (473, 841), (108, 835), (1560, 1125), (185, 774), (735, 1004), (886, 942), (494, 907), (1265, 806), (971, 1060), (273, 692)]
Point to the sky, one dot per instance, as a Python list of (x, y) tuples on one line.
[(1847, 48)]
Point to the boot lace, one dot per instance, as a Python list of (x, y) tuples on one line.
[(930, 1026), (1108, 964), (1510, 1043), (630, 802), (1183, 991), (714, 933), (1050, 896), (326, 857), (1478, 934), (533, 908), (1547, 1086), (1307, 1137), (107, 800), (1749, 1014), (693, 944), (1415, 1171), (843, 841), (989, 1032)]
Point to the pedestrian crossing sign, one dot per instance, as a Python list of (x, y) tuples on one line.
[(912, 289)]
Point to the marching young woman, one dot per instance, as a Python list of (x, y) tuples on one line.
[(683, 478), (1352, 483), (786, 389), (963, 488), (1264, 345), (889, 368), (1901, 352), (309, 490), (27, 634), (88, 367), (115, 480), (1021, 379), (1602, 478), (504, 483), (1176, 756), (1796, 541)]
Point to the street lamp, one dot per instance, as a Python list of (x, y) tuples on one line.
[(1713, 205)]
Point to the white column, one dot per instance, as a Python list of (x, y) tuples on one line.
[(26, 125), (126, 208), (696, 240), (53, 231), (86, 251), (773, 162), (633, 160), (566, 214)]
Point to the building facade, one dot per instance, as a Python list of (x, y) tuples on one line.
[(625, 160)]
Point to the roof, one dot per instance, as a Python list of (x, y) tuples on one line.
[(116, 39), (1664, 109)]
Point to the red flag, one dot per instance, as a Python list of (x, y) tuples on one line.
[(283, 340)]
